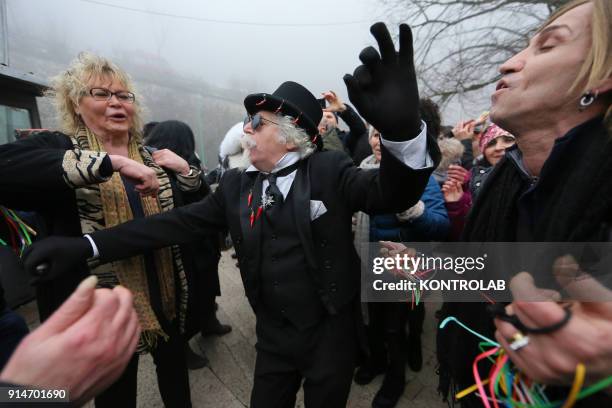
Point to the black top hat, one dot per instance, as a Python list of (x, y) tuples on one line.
[(290, 99)]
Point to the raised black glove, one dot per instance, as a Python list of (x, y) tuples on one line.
[(384, 89), (49, 258)]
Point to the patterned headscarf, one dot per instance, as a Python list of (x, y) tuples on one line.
[(492, 133)]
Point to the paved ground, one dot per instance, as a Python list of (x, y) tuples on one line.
[(228, 381)]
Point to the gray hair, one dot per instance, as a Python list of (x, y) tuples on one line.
[(371, 131), (290, 133)]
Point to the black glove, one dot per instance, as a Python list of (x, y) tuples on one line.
[(51, 257), (384, 90)]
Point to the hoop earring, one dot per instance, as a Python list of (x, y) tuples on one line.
[(587, 100)]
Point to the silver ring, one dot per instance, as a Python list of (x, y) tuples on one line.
[(519, 340)]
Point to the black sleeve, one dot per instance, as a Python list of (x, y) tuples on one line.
[(392, 188), (46, 164), (357, 128), (352, 120), (179, 226), (468, 154)]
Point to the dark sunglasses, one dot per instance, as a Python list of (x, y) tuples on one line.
[(256, 121)]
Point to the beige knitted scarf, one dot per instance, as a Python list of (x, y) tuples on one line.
[(106, 205)]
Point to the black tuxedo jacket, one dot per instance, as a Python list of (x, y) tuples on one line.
[(329, 177)]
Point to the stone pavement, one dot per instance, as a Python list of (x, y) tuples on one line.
[(227, 382)]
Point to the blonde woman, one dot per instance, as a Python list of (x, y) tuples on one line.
[(96, 174)]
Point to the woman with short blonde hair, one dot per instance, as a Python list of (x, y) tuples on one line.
[(96, 174)]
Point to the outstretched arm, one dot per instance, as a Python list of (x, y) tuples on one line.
[(181, 225)]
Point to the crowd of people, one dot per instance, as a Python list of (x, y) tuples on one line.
[(130, 227)]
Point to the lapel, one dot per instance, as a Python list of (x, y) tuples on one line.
[(251, 235), (301, 208)]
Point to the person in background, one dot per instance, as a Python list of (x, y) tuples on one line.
[(355, 141), (468, 133), (201, 259), (461, 187), (452, 151), (389, 348), (147, 128)]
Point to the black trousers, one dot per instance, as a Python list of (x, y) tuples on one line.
[(172, 378), (12, 330), (322, 356), (387, 335)]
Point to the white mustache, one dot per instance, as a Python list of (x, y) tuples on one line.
[(248, 142)]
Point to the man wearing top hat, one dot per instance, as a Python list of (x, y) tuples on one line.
[(289, 215)]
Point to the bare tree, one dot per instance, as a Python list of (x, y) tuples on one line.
[(460, 44)]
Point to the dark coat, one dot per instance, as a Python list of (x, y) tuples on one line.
[(32, 179), (356, 139), (570, 202), (329, 177)]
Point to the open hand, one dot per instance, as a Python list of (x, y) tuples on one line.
[(384, 89), (452, 190)]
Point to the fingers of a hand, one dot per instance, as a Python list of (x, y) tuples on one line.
[(71, 310), (363, 76), (393, 246), (566, 267), (538, 314), (104, 308), (354, 90), (127, 338), (540, 360), (406, 47), (385, 42), (126, 306), (523, 288), (370, 57), (578, 284), (517, 358)]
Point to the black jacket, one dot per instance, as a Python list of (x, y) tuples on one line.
[(356, 139), (329, 177), (32, 179)]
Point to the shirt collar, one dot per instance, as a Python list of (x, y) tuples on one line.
[(287, 160)]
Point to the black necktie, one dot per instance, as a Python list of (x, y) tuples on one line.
[(274, 196)]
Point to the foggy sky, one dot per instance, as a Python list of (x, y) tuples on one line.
[(219, 53), (277, 40)]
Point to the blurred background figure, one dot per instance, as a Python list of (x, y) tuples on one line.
[(354, 141), (462, 186), (201, 259), (387, 322)]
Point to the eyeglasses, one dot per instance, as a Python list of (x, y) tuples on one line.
[(103, 94), (256, 121)]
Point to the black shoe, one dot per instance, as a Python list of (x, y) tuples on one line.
[(365, 374), (415, 354), (389, 393), (216, 328), (194, 360)]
